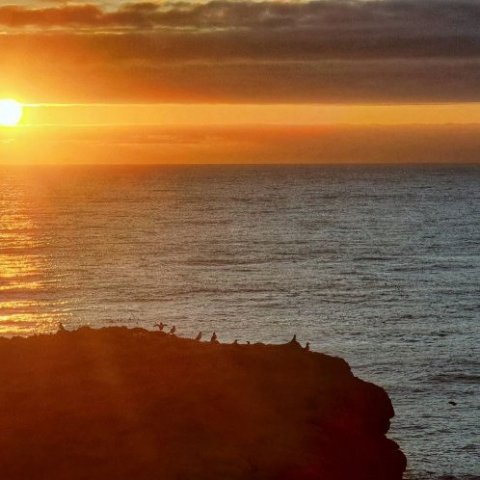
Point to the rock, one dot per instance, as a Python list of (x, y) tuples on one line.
[(110, 404)]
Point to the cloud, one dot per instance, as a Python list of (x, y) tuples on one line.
[(66, 15), (271, 51), (435, 17), (450, 144)]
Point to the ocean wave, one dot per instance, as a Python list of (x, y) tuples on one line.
[(460, 377), (437, 476)]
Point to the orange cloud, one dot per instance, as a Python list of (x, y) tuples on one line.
[(323, 145)]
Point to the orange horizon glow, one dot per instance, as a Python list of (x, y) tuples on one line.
[(241, 133), (67, 115)]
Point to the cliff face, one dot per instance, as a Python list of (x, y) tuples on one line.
[(131, 404)]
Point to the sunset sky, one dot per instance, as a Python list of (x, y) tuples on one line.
[(224, 62)]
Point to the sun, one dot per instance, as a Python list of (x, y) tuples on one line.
[(11, 112)]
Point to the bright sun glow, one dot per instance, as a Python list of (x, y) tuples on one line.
[(10, 113)]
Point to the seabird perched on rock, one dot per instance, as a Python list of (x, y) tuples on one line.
[(307, 347), (294, 342), (160, 326), (214, 338), (198, 337), (173, 330), (235, 342)]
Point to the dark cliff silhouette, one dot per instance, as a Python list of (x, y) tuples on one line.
[(131, 404)]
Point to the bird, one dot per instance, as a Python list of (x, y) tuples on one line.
[(173, 330), (307, 347), (294, 342), (451, 402), (198, 337), (160, 326), (214, 338), (235, 342)]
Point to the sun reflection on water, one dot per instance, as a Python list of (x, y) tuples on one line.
[(27, 275)]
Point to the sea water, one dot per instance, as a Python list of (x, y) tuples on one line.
[(378, 265)]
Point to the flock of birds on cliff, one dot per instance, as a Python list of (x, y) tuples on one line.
[(214, 339)]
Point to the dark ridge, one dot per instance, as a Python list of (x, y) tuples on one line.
[(120, 403)]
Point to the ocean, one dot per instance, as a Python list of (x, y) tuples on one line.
[(378, 265)]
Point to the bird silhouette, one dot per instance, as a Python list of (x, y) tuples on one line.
[(214, 338), (173, 330), (307, 347), (160, 326), (294, 342), (235, 342), (198, 337)]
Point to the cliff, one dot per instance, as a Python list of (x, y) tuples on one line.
[(130, 404)]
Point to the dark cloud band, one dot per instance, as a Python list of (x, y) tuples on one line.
[(277, 51), (407, 16)]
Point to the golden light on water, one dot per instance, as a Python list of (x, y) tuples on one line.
[(26, 272), (11, 112)]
